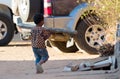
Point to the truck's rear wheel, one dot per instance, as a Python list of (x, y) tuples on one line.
[(27, 8), (6, 29), (91, 34), (62, 47)]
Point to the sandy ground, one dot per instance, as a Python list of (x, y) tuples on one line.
[(17, 62)]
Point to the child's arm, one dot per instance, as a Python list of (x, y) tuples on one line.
[(46, 34)]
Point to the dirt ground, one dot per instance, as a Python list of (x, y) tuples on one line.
[(17, 62)]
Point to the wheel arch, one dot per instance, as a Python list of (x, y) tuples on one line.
[(8, 11), (76, 15)]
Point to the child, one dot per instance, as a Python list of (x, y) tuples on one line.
[(38, 37)]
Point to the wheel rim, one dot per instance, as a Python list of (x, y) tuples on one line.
[(95, 36), (23, 6), (3, 30)]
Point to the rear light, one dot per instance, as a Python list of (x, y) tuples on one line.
[(47, 8)]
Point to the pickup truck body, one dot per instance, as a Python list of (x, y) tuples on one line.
[(75, 24), (64, 8), (64, 13), (74, 15)]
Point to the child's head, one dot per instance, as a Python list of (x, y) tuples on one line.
[(38, 18)]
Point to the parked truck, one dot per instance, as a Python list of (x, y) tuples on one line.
[(71, 16), (75, 24)]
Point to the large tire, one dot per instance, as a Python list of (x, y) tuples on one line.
[(62, 47), (6, 29), (27, 9), (91, 34), (15, 7)]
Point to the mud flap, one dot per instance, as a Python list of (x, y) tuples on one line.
[(70, 42)]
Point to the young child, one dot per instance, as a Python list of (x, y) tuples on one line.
[(38, 37)]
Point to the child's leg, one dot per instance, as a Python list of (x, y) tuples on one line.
[(37, 56), (41, 56), (44, 56), (39, 68)]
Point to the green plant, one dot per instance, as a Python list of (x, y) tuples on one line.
[(109, 10)]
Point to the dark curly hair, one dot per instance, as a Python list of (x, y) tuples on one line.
[(38, 18)]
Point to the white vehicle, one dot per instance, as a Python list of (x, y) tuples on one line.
[(7, 27), (22, 9)]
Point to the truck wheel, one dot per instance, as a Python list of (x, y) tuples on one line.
[(15, 7), (91, 34), (62, 47), (27, 9), (6, 29)]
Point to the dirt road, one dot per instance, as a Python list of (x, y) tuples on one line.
[(17, 62)]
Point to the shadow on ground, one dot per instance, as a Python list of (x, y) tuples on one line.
[(53, 69)]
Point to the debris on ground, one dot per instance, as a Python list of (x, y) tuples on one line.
[(106, 64), (106, 50)]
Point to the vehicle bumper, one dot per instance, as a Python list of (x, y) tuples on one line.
[(57, 22)]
